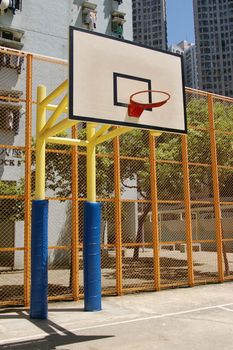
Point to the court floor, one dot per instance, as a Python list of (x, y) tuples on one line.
[(188, 318)]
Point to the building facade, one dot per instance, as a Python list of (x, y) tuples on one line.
[(41, 27), (48, 34), (188, 51), (150, 23), (213, 21), (22, 29)]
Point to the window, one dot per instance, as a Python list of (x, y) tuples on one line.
[(17, 5), (7, 35), (117, 29)]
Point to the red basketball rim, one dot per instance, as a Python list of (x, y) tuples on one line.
[(135, 108)]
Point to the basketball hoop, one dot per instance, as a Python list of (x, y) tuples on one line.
[(135, 109)]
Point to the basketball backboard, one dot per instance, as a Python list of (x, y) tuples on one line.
[(105, 72)]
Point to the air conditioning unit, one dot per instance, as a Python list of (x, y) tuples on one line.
[(11, 37), (13, 5), (10, 110), (4, 5)]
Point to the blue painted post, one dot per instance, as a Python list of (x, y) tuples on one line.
[(92, 256), (39, 260)]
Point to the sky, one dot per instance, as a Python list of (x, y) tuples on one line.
[(180, 21)]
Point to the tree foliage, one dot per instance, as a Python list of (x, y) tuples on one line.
[(59, 169), (11, 209), (168, 148)]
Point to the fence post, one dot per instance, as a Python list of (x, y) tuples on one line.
[(75, 229), (154, 209), (27, 214), (118, 215), (217, 209), (188, 218)]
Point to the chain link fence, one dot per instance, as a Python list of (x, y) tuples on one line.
[(167, 201)]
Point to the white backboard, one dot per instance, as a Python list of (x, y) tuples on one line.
[(104, 72)]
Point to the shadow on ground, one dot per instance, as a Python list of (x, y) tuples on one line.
[(142, 269), (136, 273), (55, 335)]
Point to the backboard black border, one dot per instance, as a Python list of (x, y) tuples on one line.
[(106, 121), (116, 101)]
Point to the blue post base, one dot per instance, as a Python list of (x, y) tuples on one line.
[(39, 260), (92, 256)]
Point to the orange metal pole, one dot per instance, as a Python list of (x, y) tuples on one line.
[(154, 209), (116, 148), (188, 217), (27, 212), (217, 208), (75, 227)]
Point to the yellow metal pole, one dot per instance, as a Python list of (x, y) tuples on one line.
[(91, 164), (75, 228), (59, 127), (92, 233), (217, 208), (39, 235), (56, 114), (111, 134), (67, 141), (54, 93), (118, 215), (188, 218), (40, 145), (53, 108), (27, 212), (154, 209), (101, 131)]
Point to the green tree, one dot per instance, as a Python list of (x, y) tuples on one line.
[(59, 169), (168, 147), (11, 209)]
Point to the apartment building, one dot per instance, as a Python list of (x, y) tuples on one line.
[(213, 20), (188, 51), (150, 23)]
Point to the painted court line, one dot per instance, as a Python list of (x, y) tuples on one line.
[(34, 337), (225, 308)]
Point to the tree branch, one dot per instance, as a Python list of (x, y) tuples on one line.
[(137, 187)]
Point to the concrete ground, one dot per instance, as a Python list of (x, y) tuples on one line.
[(204, 263), (186, 318)]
